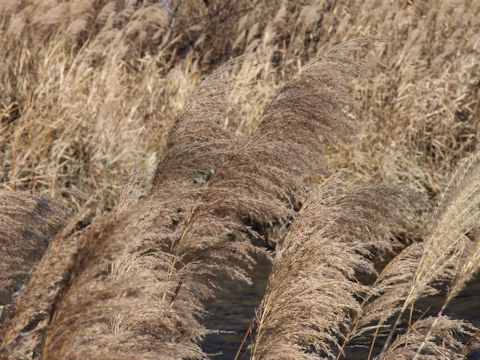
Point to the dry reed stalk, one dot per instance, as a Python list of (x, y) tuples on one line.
[(312, 292), (389, 292), (198, 141), (27, 224)]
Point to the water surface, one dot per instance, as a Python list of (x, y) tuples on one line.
[(234, 308)]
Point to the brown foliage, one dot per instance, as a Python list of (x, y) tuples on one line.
[(89, 87), (27, 224), (113, 279), (312, 292)]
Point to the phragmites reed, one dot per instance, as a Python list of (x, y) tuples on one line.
[(448, 252), (140, 284), (423, 269), (458, 215), (444, 342), (110, 278), (264, 178), (27, 224), (312, 291)]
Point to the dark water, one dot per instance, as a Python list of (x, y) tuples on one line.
[(233, 311), (235, 306)]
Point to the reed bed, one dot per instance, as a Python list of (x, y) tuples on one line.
[(173, 257), (297, 304), (164, 143)]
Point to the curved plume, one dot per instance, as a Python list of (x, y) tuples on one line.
[(312, 291), (264, 179), (110, 277), (445, 341), (259, 182)]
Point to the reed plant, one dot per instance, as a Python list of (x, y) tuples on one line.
[(133, 263), (313, 293), (27, 224), (98, 103), (334, 238)]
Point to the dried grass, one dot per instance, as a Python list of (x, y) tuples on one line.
[(91, 87), (445, 341), (335, 236), (27, 224)]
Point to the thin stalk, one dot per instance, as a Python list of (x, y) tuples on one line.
[(372, 345), (422, 345), (244, 339), (392, 331), (174, 260)]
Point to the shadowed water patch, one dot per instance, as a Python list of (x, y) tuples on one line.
[(232, 311), (234, 308)]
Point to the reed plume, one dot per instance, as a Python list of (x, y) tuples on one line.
[(444, 342), (264, 179), (214, 235), (423, 269), (110, 303), (335, 236), (457, 215), (27, 224), (444, 250), (198, 141)]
